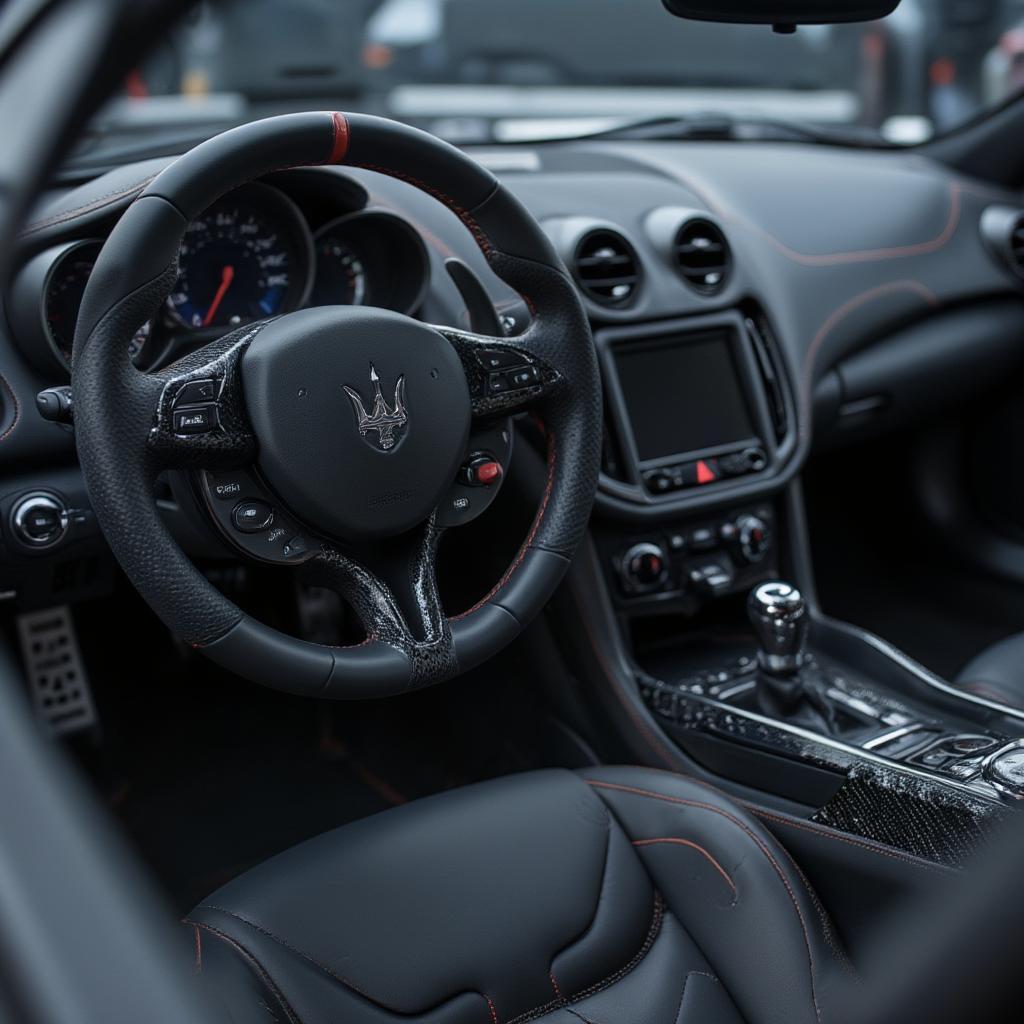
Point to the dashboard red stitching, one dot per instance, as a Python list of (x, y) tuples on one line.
[(834, 259), (922, 291)]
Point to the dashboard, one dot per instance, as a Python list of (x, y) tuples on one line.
[(751, 302)]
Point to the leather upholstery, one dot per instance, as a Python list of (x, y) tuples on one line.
[(618, 894), (997, 673)]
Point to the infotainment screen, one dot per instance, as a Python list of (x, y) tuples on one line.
[(683, 394)]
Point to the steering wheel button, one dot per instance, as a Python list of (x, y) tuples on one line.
[(198, 420), (498, 359), (225, 490), (295, 547), (252, 516), (196, 392), (497, 383), (523, 378)]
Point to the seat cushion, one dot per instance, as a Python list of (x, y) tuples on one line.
[(997, 673), (619, 894)]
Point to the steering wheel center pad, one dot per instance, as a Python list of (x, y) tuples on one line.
[(114, 403), (362, 417)]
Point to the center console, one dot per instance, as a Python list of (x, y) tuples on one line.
[(741, 672)]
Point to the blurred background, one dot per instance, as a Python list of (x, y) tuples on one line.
[(486, 71)]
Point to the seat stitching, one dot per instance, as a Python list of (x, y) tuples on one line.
[(673, 840), (249, 956), (600, 897), (300, 953), (757, 842), (563, 1002), (682, 995), (347, 983)]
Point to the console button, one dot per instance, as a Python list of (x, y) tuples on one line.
[(498, 359), (708, 471), (711, 579), (252, 516), (200, 419), (660, 481), (196, 392), (703, 538)]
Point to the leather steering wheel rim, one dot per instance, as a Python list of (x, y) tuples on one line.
[(124, 441)]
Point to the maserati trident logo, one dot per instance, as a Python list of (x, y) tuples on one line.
[(382, 420)]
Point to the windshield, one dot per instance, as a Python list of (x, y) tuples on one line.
[(495, 71)]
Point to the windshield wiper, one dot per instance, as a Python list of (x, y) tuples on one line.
[(721, 127)]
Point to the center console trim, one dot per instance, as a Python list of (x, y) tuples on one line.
[(627, 499), (908, 664)]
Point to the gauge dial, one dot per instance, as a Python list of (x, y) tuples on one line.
[(341, 273), (244, 259), (63, 296)]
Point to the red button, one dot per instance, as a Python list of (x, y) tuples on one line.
[(705, 473), (487, 472)]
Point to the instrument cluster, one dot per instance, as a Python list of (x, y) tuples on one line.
[(253, 254)]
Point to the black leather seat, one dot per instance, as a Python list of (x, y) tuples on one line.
[(612, 896), (997, 673)]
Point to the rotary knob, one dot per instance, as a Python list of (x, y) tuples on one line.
[(753, 538), (643, 567), (39, 520)]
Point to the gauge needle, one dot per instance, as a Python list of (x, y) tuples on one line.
[(227, 275)]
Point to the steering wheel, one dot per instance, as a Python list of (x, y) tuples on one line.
[(344, 440)]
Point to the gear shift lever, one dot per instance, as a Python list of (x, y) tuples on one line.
[(779, 616)]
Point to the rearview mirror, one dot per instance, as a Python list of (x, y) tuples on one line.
[(782, 13)]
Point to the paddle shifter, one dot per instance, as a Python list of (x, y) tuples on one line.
[(788, 687)]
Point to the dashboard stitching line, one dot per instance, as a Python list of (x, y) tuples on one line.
[(108, 199), (921, 290)]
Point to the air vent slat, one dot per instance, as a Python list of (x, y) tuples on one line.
[(702, 256), (607, 268)]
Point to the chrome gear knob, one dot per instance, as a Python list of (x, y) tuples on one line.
[(778, 614)]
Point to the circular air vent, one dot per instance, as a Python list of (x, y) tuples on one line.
[(1002, 227), (607, 268), (702, 256), (1015, 246)]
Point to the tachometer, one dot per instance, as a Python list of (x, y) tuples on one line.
[(247, 257), (62, 295), (341, 272)]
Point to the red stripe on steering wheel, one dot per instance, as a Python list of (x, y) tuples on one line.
[(340, 149)]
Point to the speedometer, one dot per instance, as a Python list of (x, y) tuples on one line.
[(247, 257)]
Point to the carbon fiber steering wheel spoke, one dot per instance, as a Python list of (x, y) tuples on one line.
[(200, 421), (504, 376)]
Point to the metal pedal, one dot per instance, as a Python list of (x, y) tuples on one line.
[(61, 695)]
